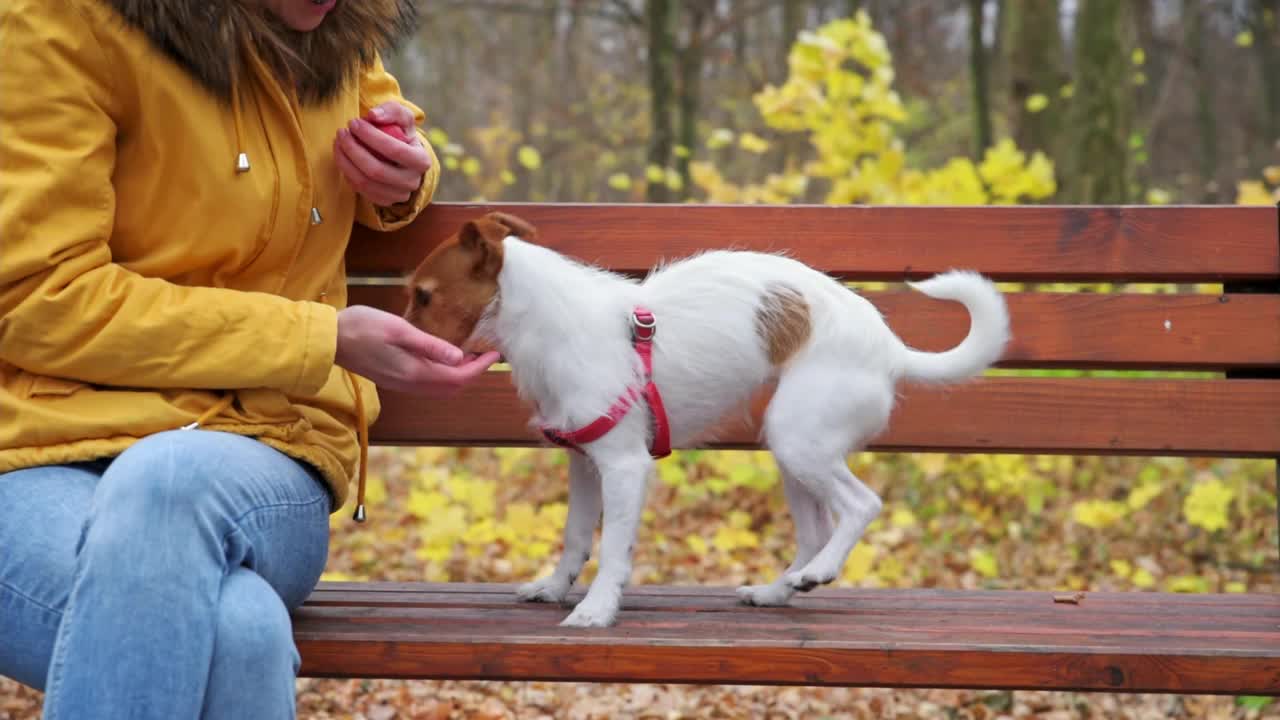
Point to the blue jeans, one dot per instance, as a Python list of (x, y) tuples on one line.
[(159, 585)]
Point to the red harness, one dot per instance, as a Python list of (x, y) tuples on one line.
[(643, 327)]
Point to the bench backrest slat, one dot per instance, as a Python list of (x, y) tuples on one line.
[(1033, 243), (1234, 418), (1080, 330)]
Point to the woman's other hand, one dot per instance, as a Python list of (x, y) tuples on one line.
[(381, 167), (395, 355)]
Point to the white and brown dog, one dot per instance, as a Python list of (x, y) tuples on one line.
[(620, 370)]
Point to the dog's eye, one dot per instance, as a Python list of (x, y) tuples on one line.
[(421, 297)]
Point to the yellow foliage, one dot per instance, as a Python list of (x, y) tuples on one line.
[(902, 518), (673, 180), (424, 505), (753, 143), (1143, 578), (1121, 568), (890, 570), (696, 544), (1207, 505), (1143, 494), (1187, 584), (728, 539), (529, 157), (859, 563), (1037, 102), (1098, 514), (839, 91), (984, 562), (620, 181), (1253, 192), (375, 491)]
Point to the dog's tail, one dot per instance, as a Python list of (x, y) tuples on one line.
[(988, 329)]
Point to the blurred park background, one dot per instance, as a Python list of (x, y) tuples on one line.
[(834, 101)]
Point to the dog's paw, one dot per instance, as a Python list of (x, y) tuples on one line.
[(548, 589), (772, 595), (589, 614), (806, 580)]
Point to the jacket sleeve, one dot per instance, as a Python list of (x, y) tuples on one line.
[(376, 87), (66, 309)]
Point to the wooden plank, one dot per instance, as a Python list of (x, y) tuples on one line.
[(1026, 415), (409, 597), (1082, 330), (1025, 243), (1127, 642)]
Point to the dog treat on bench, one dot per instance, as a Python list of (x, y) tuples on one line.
[(1072, 599)]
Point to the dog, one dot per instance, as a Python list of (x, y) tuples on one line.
[(620, 370)]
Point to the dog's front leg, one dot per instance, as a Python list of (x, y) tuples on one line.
[(579, 532), (623, 481)]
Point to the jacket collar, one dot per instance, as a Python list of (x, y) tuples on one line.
[(212, 40)]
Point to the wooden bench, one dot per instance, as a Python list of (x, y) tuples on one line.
[(1140, 641)]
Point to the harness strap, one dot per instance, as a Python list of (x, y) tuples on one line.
[(643, 327)]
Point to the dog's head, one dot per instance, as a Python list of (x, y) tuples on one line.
[(451, 288)]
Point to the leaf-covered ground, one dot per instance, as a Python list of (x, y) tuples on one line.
[(992, 521)]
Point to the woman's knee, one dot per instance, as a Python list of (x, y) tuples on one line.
[(254, 632), (171, 470)]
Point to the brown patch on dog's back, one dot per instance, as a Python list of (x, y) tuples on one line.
[(783, 323)]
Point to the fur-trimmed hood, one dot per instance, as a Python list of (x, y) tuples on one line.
[(215, 40)]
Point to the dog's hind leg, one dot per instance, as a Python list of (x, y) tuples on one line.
[(579, 531), (813, 530), (819, 414), (857, 505)]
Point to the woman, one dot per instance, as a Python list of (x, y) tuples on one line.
[(178, 181)]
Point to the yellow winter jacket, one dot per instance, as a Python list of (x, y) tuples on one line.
[(144, 275)]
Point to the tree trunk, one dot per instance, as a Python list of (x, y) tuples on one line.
[(691, 57), (1033, 59), (978, 80), (661, 60), (1102, 110), (788, 146), (1206, 120), (1264, 15)]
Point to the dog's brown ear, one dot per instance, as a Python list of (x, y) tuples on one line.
[(483, 238), (517, 226)]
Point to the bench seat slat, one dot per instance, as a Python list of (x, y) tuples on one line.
[(693, 598), (1235, 418), (1056, 243), (919, 638), (1081, 330)]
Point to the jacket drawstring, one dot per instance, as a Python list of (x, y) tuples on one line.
[(242, 157), (223, 403), (362, 434)]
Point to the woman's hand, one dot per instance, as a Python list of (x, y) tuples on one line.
[(395, 355), (380, 167)]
